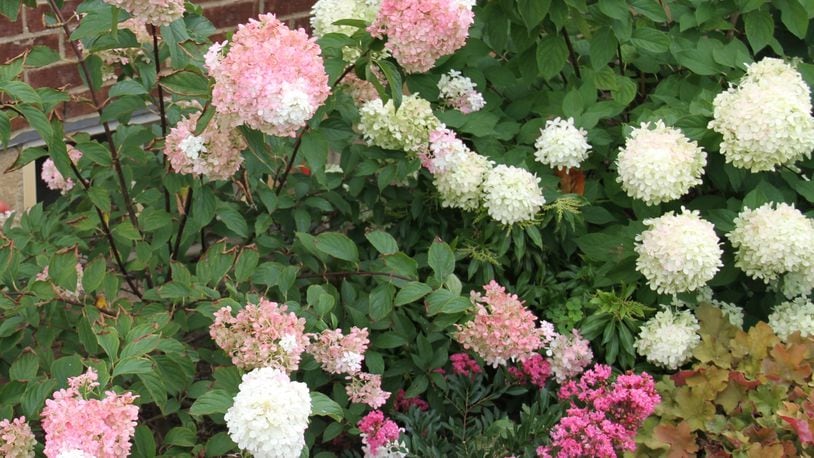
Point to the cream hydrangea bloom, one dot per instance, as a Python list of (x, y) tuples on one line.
[(269, 415), (678, 253), (766, 119), (561, 144), (668, 339), (458, 172), (793, 316), (326, 12), (407, 128), (512, 195), (659, 164), (773, 240)]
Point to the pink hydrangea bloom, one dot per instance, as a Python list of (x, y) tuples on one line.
[(443, 145), (537, 369), (272, 78), (569, 355), (102, 427), (264, 335), (156, 12), (377, 431), (421, 31), (503, 329), (16, 439), (403, 403), (463, 364), (215, 153), (338, 353), (604, 417), (53, 178), (367, 389)]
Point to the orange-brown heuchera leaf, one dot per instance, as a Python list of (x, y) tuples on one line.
[(679, 437), (788, 362)]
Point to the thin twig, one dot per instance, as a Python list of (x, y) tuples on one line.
[(281, 181), (571, 53), (97, 105), (187, 209), (109, 235), (162, 110)]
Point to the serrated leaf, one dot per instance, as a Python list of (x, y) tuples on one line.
[(322, 405), (383, 242), (337, 245), (212, 402)]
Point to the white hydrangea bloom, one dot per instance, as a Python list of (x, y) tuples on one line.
[(512, 195), (793, 316), (731, 311), (458, 172), (74, 453), (765, 120), (407, 129), (326, 12), (193, 146), (459, 92), (678, 253), (659, 164), (214, 55), (561, 144), (798, 283), (393, 449), (668, 339), (773, 241), (270, 414)]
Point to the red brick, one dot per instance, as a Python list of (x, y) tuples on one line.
[(9, 28), (288, 7), (35, 19), (229, 16), (57, 76), (15, 48)]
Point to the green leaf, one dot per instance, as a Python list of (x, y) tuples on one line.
[(10, 9), (24, 368), (67, 366), (650, 40), (62, 270), (603, 47), (412, 292), (533, 11), (133, 366), (212, 402), (418, 386), (140, 346), (144, 443), (186, 83), (383, 242), (759, 29), (337, 245), (794, 17), (441, 259), (552, 54), (108, 339), (445, 301), (323, 406), (381, 302), (233, 220), (127, 87), (394, 80), (315, 150)]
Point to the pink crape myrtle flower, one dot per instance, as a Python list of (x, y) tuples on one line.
[(463, 364), (367, 389), (53, 178), (377, 431), (155, 12), (271, 79), (537, 369), (16, 439), (419, 32), (338, 353), (73, 421), (263, 335), (404, 404), (503, 329), (215, 153), (604, 417)]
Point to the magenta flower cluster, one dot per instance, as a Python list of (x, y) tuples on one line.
[(377, 431), (604, 417)]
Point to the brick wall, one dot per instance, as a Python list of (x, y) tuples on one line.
[(30, 30)]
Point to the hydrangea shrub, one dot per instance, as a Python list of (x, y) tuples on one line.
[(288, 260)]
